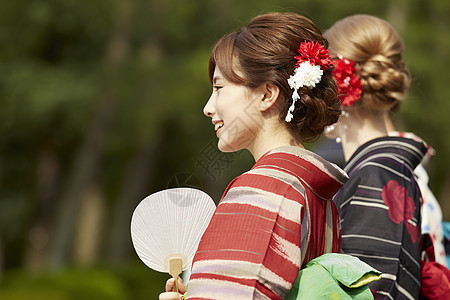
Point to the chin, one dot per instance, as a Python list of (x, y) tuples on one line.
[(227, 147)]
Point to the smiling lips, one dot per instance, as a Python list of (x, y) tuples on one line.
[(218, 125)]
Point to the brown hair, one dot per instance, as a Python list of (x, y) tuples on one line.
[(376, 48), (263, 52)]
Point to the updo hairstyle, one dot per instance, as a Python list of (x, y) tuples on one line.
[(376, 48), (263, 52)]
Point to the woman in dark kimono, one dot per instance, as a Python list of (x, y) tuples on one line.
[(380, 204)]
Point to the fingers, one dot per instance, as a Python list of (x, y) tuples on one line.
[(170, 296), (181, 286), (170, 283)]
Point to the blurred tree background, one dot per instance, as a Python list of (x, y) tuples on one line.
[(101, 104)]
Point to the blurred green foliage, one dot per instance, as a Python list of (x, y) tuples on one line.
[(130, 281), (107, 96)]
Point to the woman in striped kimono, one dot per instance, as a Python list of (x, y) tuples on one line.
[(380, 204), (273, 90)]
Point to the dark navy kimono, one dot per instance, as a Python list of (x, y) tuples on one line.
[(380, 213)]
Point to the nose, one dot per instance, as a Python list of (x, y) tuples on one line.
[(208, 110)]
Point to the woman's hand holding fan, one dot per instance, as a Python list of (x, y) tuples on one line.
[(166, 228), (169, 295)]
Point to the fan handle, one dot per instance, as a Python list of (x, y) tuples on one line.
[(175, 269)]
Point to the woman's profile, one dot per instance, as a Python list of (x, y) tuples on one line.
[(273, 90)]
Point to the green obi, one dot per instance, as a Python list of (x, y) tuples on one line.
[(334, 276)]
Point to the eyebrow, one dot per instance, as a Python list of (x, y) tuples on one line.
[(215, 79)]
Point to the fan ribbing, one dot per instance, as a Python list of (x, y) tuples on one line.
[(170, 223)]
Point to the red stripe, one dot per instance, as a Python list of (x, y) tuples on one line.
[(231, 231), (288, 230), (242, 281), (265, 291), (336, 228), (281, 226), (229, 255), (317, 228), (322, 185), (273, 261)]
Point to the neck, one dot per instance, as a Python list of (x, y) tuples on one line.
[(272, 135), (359, 128)]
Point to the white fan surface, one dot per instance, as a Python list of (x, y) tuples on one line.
[(170, 223)]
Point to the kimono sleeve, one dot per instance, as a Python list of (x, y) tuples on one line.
[(252, 245)]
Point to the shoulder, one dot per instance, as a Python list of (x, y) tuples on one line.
[(380, 168), (267, 181), (265, 189)]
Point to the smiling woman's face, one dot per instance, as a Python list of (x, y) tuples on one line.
[(235, 113)]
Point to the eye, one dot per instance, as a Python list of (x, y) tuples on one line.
[(217, 87)]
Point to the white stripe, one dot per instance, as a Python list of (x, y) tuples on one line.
[(286, 208), (386, 294), (370, 158), (411, 257), (410, 275), (284, 176), (404, 291), (359, 198), (389, 169), (329, 230), (345, 202), (218, 289), (370, 204), (368, 199), (371, 238), (234, 268), (259, 295), (389, 276), (382, 144), (370, 187), (272, 280), (287, 250), (305, 231)]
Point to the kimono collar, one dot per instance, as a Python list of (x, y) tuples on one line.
[(409, 150), (323, 178)]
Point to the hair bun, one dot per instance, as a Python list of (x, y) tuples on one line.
[(384, 82), (376, 48)]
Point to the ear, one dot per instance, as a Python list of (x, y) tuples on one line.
[(271, 93)]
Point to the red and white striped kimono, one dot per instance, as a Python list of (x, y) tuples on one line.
[(271, 221)]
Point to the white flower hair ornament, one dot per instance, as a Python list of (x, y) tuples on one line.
[(312, 61)]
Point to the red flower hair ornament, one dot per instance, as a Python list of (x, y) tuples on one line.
[(312, 61), (314, 53), (350, 88)]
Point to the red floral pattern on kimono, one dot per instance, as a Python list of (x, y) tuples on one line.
[(401, 206)]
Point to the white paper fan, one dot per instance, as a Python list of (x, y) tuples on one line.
[(166, 227)]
